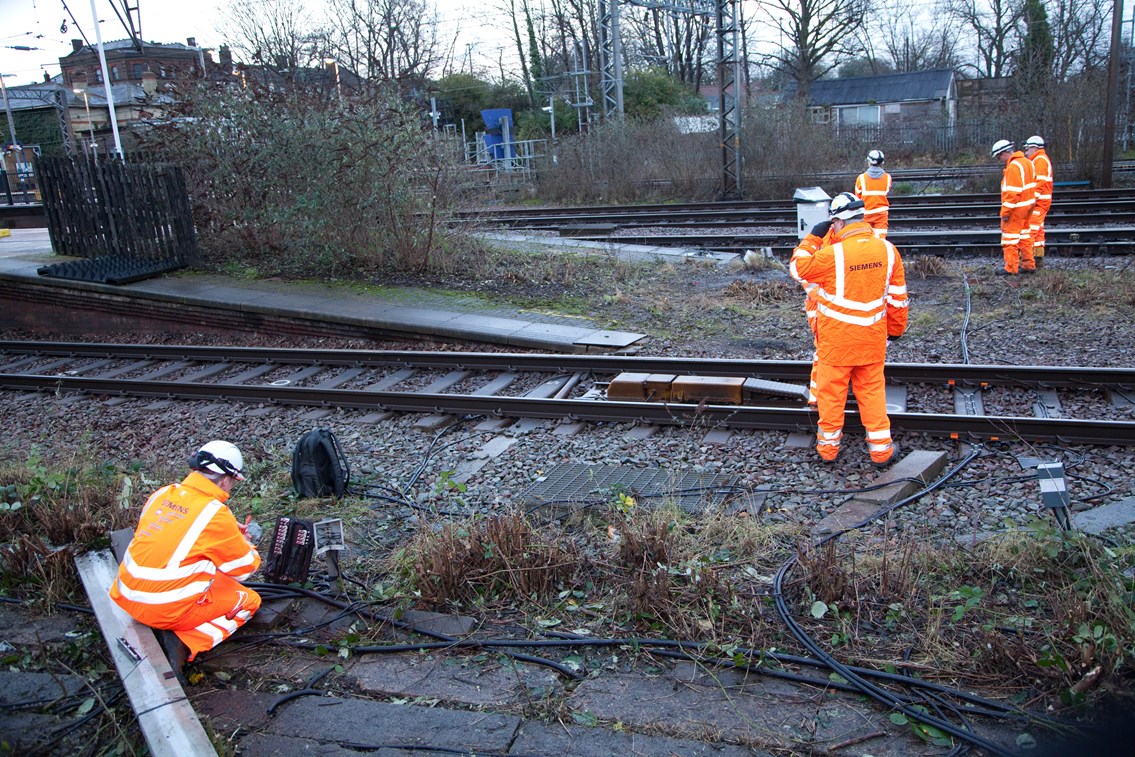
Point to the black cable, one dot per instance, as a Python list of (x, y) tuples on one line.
[(875, 692)]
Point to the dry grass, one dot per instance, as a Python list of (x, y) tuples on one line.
[(492, 558), (756, 294), (926, 266)]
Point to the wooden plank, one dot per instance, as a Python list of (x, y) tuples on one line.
[(164, 713)]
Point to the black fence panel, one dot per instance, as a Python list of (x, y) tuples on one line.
[(134, 219)]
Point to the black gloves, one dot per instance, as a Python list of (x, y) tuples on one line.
[(822, 228)]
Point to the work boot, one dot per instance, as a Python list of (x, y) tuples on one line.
[(880, 462), (176, 651), (1003, 272), (1040, 261), (827, 453)]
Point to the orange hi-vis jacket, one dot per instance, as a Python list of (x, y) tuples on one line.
[(1018, 186), (185, 537), (809, 244), (860, 295), (1042, 167), (873, 191)]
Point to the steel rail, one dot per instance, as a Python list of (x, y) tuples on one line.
[(988, 199), (786, 370), (677, 414)]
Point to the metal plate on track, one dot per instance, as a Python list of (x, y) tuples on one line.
[(575, 485)]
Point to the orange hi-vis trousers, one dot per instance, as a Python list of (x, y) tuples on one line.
[(1016, 243), (878, 222), (225, 607), (1036, 228), (870, 390)]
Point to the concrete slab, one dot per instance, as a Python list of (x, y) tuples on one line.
[(438, 622), (577, 741), (568, 429), (717, 436), (455, 680), (610, 339), (691, 701), (1100, 519), (799, 440), (368, 726), (923, 465), (642, 432)]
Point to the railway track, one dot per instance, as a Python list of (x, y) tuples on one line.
[(960, 401), (1080, 223)]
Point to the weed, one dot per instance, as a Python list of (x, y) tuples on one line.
[(926, 266)]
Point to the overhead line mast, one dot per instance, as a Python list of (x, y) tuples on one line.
[(728, 73)]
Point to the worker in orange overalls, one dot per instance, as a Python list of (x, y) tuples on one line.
[(861, 303), (1042, 167), (184, 567), (1018, 185), (872, 187)]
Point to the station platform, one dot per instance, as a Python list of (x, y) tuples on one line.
[(198, 301)]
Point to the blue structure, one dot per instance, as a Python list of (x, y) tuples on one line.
[(498, 124)]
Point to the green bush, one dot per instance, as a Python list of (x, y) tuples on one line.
[(301, 184)]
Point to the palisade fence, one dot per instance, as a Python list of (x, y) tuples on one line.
[(127, 222)]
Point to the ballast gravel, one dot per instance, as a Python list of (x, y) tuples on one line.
[(963, 313)]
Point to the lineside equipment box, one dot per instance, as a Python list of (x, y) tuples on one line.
[(727, 390), (641, 387)]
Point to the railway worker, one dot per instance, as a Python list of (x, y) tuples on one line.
[(861, 301), (184, 567), (1042, 166), (1017, 188), (872, 187)]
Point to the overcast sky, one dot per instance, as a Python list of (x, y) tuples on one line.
[(37, 23)]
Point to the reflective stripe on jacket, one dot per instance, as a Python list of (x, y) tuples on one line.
[(873, 192), (1018, 184), (1042, 167), (860, 293), (185, 536)]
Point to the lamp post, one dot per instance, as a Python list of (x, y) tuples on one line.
[(338, 87), (8, 110), (90, 123)]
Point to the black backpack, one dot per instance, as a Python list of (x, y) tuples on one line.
[(319, 468)]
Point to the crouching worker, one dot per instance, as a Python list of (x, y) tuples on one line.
[(183, 569), (861, 303)]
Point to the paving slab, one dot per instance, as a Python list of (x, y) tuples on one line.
[(754, 711), (539, 738), (456, 680), (922, 465), (365, 725), (1099, 519)]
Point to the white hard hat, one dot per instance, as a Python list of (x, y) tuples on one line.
[(1035, 141), (845, 206), (219, 457), (1000, 146), (876, 157)]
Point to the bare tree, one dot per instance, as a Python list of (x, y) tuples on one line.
[(818, 35), (906, 37), (271, 32), (390, 40), (1079, 35), (678, 42), (992, 27)]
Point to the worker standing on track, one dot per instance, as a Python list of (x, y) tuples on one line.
[(1018, 184), (1042, 167), (872, 187), (184, 567), (861, 304)]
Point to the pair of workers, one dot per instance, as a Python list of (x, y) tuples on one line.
[(1026, 196)]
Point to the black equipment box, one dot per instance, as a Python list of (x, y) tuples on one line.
[(290, 551)]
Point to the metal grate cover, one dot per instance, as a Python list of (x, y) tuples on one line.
[(576, 484)]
